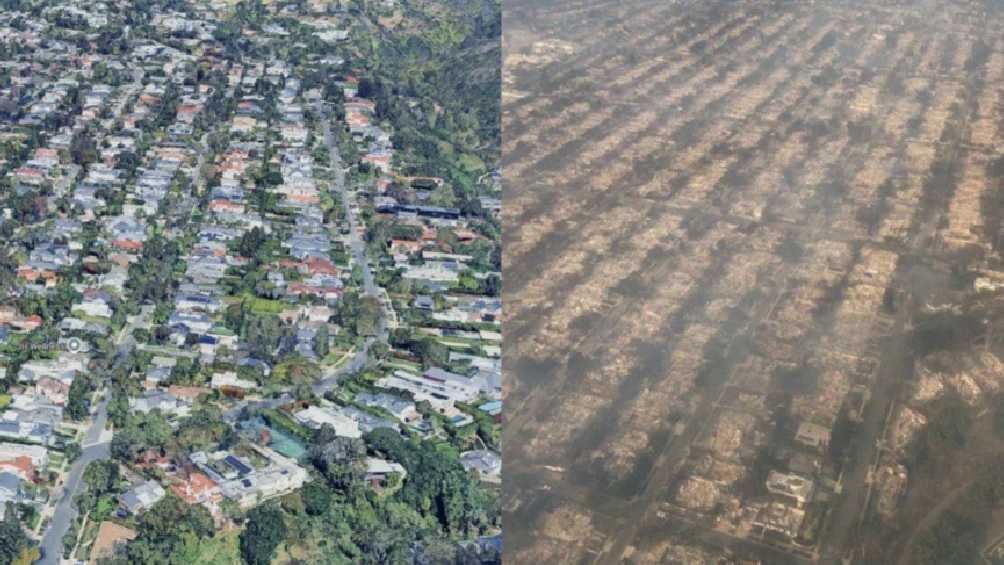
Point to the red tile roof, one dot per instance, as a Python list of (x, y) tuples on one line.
[(197, 485), (128, 244), (20, 465)]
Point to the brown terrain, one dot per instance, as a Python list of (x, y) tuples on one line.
[(722, 221)]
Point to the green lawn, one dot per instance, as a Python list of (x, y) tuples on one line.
[(295, 370), (106, 505), (56, 460), (460, 342), (405, 365), (93, 319), (336, 357), (264, 305), (221, 549)]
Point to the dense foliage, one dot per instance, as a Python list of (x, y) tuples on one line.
[(165, 528), (437, 484), (261, 535), (14, 544), (450, 64)]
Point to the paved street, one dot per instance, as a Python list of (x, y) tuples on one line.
[(66, 511), (356, 242), (358, 248), (842, 531), (93, 449)]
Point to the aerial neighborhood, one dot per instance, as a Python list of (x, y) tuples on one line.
[(250, 303)]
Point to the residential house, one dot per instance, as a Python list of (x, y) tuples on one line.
[(198, 488), (141, 498), (37, 454), (96, 308), (403, 410), (227, 381), (314, 417), (488, 464), (54, 390), (379, 471), (433, 384), (157, 399)]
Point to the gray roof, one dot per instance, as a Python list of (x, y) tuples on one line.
[(485, 461), (9, 482), (142, 497)]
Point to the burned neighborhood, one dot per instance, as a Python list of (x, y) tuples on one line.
[(753, 281)]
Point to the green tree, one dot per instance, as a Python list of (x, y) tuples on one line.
[(12, 541), (492, 285), (72, 451), (437, 484), (250, 242), (262, 534), (156, 430), (77, 398), (316, 498), (126, 443), (164, 528), (101, 477), (321, 341), (204, 428), (338, 459)]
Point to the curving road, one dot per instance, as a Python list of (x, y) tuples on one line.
[(66, 510), (92, 449)]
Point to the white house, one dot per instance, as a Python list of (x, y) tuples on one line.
[(315, 417)]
